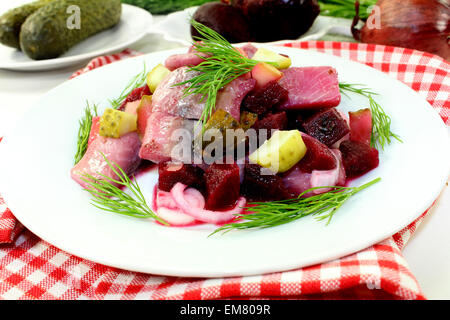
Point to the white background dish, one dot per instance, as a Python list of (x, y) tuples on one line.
[(40, 154), (133, 25)]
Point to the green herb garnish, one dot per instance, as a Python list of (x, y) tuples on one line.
[(381, 122), (222, 64), (84, 131), (271, 214), (137, 81), (345, 8), (381, 126), (108, 197), (165, 6), (355, 88)]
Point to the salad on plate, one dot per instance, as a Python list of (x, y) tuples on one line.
[(240, 138)]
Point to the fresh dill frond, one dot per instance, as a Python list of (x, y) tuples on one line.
[(271, 214), (381, 126), (345, 8), (107, 196), (355, 88), (381, 122), (222, 64), (84, 131), (137, 81)]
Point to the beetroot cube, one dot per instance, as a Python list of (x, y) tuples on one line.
[(327, 126), (222, 186), (277, 121), (262, 100), (318, 156), (361, 125), (262, 187), (135, 95), (358, 157), (171, 173)]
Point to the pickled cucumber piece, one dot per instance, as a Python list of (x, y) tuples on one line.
[(155, 76), (115, 123), (281, 152), (248, 119), (12, 20), (45, 34), (221, 121), (266, 55)]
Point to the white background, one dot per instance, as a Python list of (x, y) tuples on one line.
[(428, 252)]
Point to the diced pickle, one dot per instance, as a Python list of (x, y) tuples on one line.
[(155, 77), (281, 152), (248, 119), (266, 55), (115, 123), (217, 127)]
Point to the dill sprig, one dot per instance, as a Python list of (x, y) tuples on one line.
[(107, 196), (137, 81), (222, 64), (345, 8), (381, 122), (381, 126), (355, 88), (271, 214), (84, 131)]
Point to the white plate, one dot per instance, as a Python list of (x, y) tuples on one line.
[(133, 25), (38, 155), (175, 27)]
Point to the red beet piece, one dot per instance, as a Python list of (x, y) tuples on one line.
[(222, 186), (296, 118), (171, 173), (277, 121), (262, 100), (327, 126), (361, 125), (135, 95), (318, 156), (262, 187), (358, 157)]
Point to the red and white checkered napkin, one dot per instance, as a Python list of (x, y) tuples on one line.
[(34, 269)]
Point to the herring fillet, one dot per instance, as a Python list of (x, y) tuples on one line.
[(310, 87), (122, 151), (169, 98)]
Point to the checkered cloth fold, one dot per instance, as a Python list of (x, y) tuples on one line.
[(31, 268)]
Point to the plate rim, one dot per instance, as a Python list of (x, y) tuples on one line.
[(177, 272), (60, 62)]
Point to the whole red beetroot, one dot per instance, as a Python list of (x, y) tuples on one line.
[(272, 20)]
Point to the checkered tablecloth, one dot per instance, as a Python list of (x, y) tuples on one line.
[(31, 268)]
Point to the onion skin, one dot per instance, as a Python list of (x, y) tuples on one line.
[(415, 24)]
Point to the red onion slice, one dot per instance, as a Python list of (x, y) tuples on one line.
[(167, 209), (333, 177), (175, 217), (164, 199), (199, 213)]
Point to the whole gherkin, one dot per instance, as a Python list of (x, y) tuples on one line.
[(47, 33), (12, 20)]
